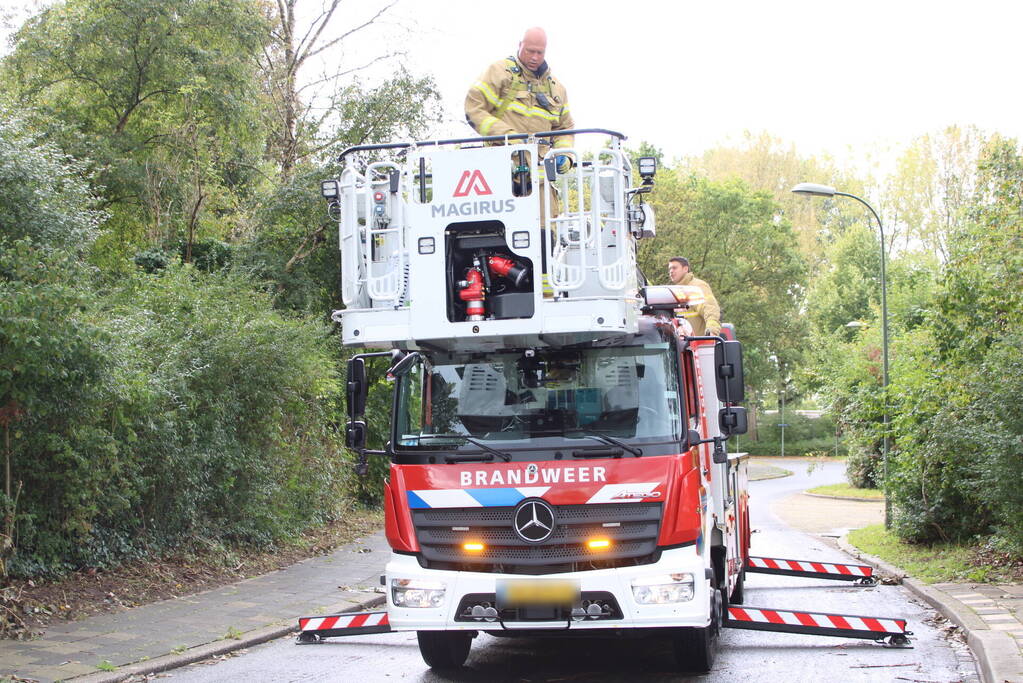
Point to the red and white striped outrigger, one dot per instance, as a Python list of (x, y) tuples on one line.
[(819, 624), (315, 629), (861, 574), (892, 630)]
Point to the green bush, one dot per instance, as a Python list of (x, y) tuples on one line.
[(54, 384), (44, 195), (958, 459), (168, 409), (803, 435), (863, 468), (207, 255), (234, 408)]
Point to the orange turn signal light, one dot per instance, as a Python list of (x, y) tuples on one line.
[(598, 544), (473, 547)]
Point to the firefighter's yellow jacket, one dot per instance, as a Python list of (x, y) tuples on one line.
[(706, 317), (509, 98)]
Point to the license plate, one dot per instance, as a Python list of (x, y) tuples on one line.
[(537, 593)]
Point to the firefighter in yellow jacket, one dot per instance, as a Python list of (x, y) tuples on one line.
[(519, 95), (706, 317)]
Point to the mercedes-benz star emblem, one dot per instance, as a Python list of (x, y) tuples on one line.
[(534, 520)]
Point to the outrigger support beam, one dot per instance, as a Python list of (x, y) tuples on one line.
[(881, 629), (315, 629), (860, 574)]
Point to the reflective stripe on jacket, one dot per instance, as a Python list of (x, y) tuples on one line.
[(705, 316), (504, 100)]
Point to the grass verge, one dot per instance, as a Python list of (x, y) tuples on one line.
[(942, 562), (759, 472), (846, 491)]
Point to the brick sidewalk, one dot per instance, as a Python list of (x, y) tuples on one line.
[(990, 614), (268, 605)]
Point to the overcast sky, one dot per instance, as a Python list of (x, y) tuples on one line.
[(834, 77), (829, 76)]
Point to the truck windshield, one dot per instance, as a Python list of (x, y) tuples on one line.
[(517, 398)]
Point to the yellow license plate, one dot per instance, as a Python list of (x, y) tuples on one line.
[(537, 593)]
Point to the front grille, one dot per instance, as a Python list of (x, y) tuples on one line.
[(442, 531)]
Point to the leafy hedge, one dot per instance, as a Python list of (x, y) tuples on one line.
[(803, 436), (956, 435), (959, 432), (162, 409)]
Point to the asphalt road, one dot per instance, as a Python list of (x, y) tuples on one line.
[(744, 655)]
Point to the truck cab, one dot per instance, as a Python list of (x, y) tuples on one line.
[(557, 442)]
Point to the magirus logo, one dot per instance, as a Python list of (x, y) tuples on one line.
[(472, 181)]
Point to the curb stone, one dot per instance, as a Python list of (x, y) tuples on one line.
[(858, 500), (998, 657), (208, 650)]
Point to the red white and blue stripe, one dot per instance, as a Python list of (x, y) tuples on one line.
[(510, 497)]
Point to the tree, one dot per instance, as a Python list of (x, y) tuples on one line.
[(769, 164), (847, 287), (163, 99), (737, 240), (313, 114), (44, 194), (933, 184)]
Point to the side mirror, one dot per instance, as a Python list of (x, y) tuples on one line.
[(728, 361), (356, 388), (402, 365), (732, 420), (355, 435), (692, 438)]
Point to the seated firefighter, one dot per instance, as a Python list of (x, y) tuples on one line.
[(705, 317)]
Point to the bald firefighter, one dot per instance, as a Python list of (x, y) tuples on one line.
[(519, 95)]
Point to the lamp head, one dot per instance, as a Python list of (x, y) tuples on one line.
[(329, 190), (815, 190), (647, 169)]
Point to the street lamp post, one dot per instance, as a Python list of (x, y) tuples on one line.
[(816, 190), (781, 403)]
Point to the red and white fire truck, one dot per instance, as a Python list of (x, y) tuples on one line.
[(557, 445)]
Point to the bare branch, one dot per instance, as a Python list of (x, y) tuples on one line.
[(317, 238), (326, 46), (339, 74), (323, 20)]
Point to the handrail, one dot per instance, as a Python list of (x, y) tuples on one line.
[(485, 138)]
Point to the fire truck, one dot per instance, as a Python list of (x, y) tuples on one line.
[(557, 444)]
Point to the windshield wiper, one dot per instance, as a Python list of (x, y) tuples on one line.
[(610, 440), (468, 456)]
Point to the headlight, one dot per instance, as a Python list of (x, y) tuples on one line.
[(417, 593), (663, 588)]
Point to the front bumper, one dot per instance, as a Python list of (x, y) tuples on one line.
[(617, 582)]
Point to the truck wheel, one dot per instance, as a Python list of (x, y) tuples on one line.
[(695, 648), (444, 650)]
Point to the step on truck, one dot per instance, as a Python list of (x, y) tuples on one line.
[(557, 446)]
